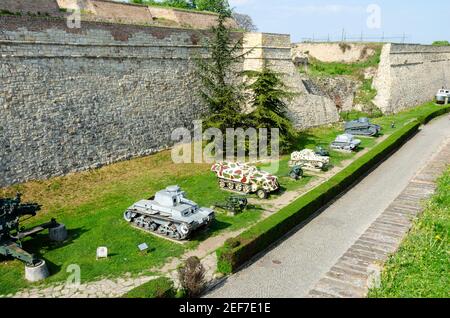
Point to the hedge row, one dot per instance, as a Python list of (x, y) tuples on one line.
[(161, 287), (235, 252)]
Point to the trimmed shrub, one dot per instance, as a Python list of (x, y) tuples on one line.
[(161, 287), (439, 112)]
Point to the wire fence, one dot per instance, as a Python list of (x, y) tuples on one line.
[(358, 38)]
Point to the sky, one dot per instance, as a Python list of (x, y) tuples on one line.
[(414, 21)]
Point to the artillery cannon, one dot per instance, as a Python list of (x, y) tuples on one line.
[(11, 235), (296, 173), (233, 204), (321, 151)]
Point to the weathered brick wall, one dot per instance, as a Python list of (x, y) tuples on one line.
[(119, 12), (72, 99), (305, 109), (336, 52), (410, 75), (49, 7)]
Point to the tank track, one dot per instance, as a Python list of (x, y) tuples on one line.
[(241, 188), (371, 133), (146, 223)]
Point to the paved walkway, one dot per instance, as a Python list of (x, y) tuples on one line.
[(297, 264), (360, 267)]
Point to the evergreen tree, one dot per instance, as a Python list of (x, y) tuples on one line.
[(221, 89), (268, 99)]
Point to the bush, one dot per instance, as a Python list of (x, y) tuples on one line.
[(441, 43), (263, 234), (192, 277), (161, 287)]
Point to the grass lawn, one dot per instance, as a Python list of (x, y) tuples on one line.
[(421, 267), (91, 205)]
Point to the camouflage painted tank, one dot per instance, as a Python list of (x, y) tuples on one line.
[(169, 214), (309, 160), (346, 142), (244, 178), (362, 127)]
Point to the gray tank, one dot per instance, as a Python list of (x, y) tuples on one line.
[(169, 214), (345, 142), (362, 127)]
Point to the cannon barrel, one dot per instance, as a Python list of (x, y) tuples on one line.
[(28, 209)]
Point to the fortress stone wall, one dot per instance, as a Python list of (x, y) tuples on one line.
[(74, 99), (410, 75), (335, 52), (115, 12), (305, 109)]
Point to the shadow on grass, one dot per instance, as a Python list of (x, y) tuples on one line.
[(213, 229)]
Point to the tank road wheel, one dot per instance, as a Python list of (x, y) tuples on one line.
[(239, 187), (262, 194), (247, 189), (127, 216), (230, 185), (222, 184)]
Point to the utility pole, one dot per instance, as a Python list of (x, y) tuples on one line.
[(362, 36), (343, 35)]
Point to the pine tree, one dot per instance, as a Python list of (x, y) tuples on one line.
[(268, 100), (222, 91)]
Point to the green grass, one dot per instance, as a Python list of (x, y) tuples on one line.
[(421, 267), (161, 287), (91, 204), (356, 70)]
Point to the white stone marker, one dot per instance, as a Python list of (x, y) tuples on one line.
[(142, 247), (102, 252)]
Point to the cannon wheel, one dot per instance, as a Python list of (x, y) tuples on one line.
[(262, 194)]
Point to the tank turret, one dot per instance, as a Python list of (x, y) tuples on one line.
[(362, 127), (243, 178), (169, 213), (346, 142), (309, 160)]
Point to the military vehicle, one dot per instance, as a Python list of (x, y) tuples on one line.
[(233, 204), (11, 234), (346, 142), (309, 160), (170, 214), (322, 151), (296, 173), (243, 178), (442, 96), (362, 127)]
